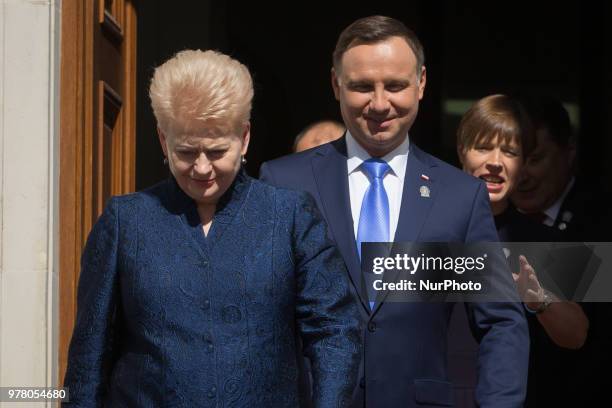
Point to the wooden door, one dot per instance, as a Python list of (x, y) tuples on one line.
[(97, 130)]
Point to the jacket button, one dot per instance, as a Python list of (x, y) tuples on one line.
[(206, 304), (362, 383), (212, 392), (371, 327)]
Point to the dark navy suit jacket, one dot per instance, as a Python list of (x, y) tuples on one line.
[(404, 362), (169, 317)]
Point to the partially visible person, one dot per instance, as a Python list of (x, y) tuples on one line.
[(548, 191), (494, 137), (193, 292), (318, 133), (551, 193)]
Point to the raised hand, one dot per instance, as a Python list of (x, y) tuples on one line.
[(529, 288)]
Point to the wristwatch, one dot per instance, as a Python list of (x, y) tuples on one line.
[(546, 301)]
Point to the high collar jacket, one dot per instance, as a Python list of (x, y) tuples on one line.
[(170, 317)]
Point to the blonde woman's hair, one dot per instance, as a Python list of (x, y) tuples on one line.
[(196, 89)]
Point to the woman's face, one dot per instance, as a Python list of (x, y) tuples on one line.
[(497, 163), (205, 164)]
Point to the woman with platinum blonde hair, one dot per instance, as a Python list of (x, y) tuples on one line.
[(196, 291)]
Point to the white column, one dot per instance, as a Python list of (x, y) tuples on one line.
[(29, 120)]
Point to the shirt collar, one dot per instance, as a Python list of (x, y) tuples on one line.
[(552, 212), (396, 158)]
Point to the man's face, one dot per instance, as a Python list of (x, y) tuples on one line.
[(546, 173), (379, 93)]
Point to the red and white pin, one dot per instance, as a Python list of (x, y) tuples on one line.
[(425, 177)]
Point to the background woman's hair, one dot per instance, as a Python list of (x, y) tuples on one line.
[(496, 116)]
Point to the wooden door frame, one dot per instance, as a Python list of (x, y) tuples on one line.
[(77, 131)]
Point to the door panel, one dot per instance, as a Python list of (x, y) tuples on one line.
[(97, 130)]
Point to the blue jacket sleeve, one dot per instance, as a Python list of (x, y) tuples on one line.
[(327, 315), (500, 327), (90, 352)]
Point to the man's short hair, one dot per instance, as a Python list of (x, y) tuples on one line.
[(319, 132), (550, 114), (372, 30)]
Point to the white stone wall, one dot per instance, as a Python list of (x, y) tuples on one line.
[(29, 140)]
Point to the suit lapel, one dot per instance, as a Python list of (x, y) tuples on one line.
[(331, 176), (415, 203), (419, 182)]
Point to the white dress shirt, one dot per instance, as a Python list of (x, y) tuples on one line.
[(393, 180), (552, 212)]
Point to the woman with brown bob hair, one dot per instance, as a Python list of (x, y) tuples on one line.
[(493, 139)]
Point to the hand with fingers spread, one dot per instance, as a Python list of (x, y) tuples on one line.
[(529, 288), (565, 323)]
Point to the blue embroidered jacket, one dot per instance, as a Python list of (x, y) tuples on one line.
[(170, 317)]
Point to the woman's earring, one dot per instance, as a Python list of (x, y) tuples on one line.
[(165, 161), (242, 160)]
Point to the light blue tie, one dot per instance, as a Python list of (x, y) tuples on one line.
[(374, 216)]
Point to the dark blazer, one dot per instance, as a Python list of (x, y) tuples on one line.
[(558, 376), (404, 361), (584, 215), (169, 317)]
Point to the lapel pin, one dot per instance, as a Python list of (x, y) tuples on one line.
[(424, 190), (507, 252), (567, 216), (425, 177)]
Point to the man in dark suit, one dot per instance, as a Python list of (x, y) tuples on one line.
[(373, 184), (548, 189), (550, 193)]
